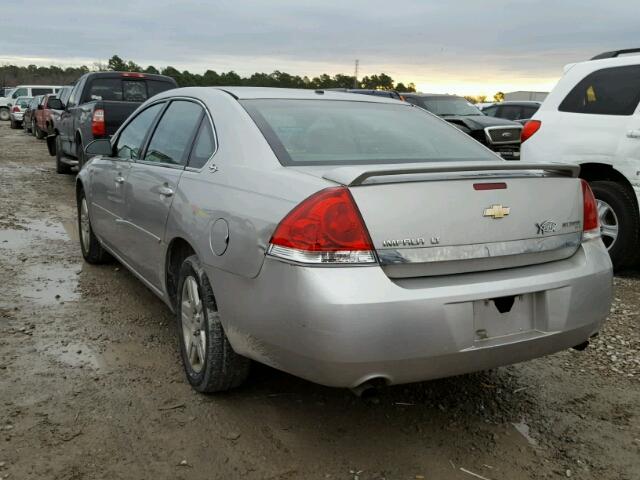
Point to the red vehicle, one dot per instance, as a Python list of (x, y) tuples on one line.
[(43, 119)]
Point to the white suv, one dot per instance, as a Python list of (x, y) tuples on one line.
[(592, 118)]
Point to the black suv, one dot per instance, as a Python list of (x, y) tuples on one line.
[(518, 111), (501, 136)]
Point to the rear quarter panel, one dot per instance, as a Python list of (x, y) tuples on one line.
[(251, 192)]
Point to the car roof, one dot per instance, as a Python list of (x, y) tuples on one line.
[(251, 93), (35, 86), (430, 95), (597, 64)]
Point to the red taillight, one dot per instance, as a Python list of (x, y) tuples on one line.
[(133, 74), (590, 222), (15, 109), (531, 127), (325, 228), (97, 123)]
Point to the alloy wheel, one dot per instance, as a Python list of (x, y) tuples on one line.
[(609, 225), (193, 325), (85, 225)]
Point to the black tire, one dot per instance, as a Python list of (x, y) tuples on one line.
[(4, 114), (92, 252), (80, 154), (222, 368), (61, 167), (14, 125), (39, 133), (624, 250), (33, 127)]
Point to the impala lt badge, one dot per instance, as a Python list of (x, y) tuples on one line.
[(405, 242), (496, 211), (546, 227)]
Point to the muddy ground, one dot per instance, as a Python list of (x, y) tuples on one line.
[(91, 385)]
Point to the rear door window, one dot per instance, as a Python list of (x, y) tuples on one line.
[(610, 91), (131, 139), (172, 139)]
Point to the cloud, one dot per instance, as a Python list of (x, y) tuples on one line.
[(465, 41)]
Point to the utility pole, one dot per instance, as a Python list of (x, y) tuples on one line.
[(355, 78)]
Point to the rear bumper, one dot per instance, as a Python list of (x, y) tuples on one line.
[(17, 117), (343, 326)]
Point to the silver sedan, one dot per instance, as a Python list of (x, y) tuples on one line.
[(342, 238)]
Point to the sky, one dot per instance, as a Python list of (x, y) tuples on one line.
[(461, 46)]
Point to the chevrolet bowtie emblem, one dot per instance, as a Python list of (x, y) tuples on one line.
[(496, 211)]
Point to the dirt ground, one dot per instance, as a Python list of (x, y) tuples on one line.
[(91, 385)]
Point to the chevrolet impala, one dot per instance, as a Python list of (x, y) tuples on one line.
[(344, 239)]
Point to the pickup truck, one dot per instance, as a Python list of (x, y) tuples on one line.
[(500, 135), (96, 107), (47, 109)]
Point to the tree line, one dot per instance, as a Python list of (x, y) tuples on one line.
[(11, 75)]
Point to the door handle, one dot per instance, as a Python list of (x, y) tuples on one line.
[(633, 134), (119, 179), (165, 191)]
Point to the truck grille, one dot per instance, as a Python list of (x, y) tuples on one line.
[(503, 135)]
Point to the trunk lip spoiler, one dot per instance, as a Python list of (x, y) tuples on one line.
[(355, 175)]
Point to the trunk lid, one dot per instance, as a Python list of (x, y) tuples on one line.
[(445, 219)]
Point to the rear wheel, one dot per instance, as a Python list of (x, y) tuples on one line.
[(4, 114), (39, 133), (619, 222), (33, 127), (14, 125), (92, 251), (209, 360)]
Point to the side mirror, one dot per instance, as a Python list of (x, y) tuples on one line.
[(101, 146), (55, 104), (40, 107)]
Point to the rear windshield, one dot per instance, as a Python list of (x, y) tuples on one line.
[(326, 132), (451, 106), (125, 90)]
